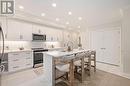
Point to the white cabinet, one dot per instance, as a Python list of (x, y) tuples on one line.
[(53, 35), (13, 30), (26, 31), (36, 29), (67, 36), (19, 31), (107, 45), (27, 59), (20, 60)]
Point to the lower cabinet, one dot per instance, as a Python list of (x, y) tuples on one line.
[(19, 60)]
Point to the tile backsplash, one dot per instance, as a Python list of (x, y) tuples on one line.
[(15, 45)]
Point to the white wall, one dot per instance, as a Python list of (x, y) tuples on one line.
[(126, 41)]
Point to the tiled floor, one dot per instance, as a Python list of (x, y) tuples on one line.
[(101, 78), (33, 77)]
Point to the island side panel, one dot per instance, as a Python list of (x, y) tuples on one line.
[(49, 69)]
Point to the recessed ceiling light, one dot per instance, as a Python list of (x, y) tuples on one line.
[(67, 22), (80, 18), (21, 7), (43, 14), (69, 13), (78, 26), (53, 4), (57, 19)]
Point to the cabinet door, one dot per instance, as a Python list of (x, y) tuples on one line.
[(27, 59), (97, 44), (36, 29), (13, 30), (66, 36), (26, 31), (60, 36), (49, 34), (112, 47), (14, 62)]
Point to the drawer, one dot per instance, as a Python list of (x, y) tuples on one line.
[(14, 68), (13, 56), (27, 55)]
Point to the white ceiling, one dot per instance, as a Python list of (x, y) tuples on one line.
[(93, 12)]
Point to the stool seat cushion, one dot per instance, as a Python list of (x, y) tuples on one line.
[(77, 63), (63, 67)]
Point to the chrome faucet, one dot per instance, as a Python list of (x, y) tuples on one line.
[(69, 46)]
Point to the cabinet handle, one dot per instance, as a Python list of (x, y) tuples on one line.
[(21, 36), (16, 67), (5, 36), (103, 48)]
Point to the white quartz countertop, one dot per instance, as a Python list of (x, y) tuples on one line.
[(63, 53), (55, 48), (11, 51)]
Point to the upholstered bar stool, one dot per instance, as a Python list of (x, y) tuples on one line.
[(63, 69), (79, 65), (93, 59), (87, 62), (90, 60)]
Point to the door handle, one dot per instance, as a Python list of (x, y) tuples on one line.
[(103, 48)]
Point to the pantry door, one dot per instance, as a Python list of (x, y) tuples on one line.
[(107, 45)]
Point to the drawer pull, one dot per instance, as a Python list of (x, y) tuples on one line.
[(15, 54), (28, 58), (16, 60), (28, 53), (28, 64)]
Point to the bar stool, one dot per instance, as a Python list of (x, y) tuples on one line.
[(79, 65), (91, 60), (63, 69), (87, 62)]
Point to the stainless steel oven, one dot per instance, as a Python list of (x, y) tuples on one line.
[(38, 56)]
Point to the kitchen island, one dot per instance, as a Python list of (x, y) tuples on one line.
[(49, 65)]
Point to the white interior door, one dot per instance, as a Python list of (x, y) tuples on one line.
[(112, 47), (97, 44), (107, 45)]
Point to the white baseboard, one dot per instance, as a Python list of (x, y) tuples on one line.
[(112, 69)]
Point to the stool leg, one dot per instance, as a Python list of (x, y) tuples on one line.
[(95, 62), (71, 73), (89, 65), (82, 69)]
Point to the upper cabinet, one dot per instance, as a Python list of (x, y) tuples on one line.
[(36, 29), (13, 30), (26, 31), (53, 34), (66, 36), (19, 31)]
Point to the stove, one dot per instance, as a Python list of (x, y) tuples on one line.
[(38, 56)]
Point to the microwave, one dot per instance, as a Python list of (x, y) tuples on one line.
[(38, 37)]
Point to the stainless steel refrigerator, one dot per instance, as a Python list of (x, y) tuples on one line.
[(1, 52)]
